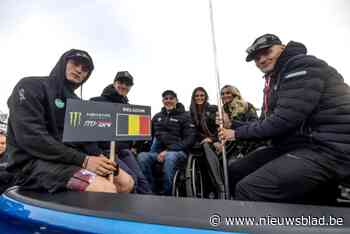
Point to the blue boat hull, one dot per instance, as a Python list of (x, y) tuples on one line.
[(25, 212)]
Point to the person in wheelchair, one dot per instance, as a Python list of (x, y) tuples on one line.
[(174, 134), (203, 116), (238, 111), (307, 118)]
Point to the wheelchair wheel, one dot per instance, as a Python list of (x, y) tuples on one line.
[(197, 179), (178, 189)]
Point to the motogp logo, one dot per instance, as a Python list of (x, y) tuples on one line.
[(97, 123)]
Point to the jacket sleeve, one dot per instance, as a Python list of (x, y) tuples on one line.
[(27, 118), (299, 93), (189, 134)]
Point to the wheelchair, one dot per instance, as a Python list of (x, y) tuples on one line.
[(200, 176)]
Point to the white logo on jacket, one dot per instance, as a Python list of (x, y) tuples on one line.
[(21, 95), (173, 120)]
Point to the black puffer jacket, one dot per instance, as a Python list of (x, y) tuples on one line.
[(174, 129), (109, 94), (35, 127), (309, 104)]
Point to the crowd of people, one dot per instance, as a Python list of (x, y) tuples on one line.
[(300, 140)]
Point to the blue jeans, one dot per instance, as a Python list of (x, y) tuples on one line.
[(172, 159), (156, 146)]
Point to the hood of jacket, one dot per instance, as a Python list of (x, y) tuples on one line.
[(57, 78), (61, 89), (292, 49), (111, 94)]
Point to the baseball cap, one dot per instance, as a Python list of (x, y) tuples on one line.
[(124, 77), (169, 93), (81, 56)]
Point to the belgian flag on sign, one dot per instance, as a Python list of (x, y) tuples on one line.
[(133, 125)]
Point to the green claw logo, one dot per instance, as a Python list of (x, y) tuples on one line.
[(75, 119)]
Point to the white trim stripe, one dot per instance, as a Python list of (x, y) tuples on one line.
[(299, 73)]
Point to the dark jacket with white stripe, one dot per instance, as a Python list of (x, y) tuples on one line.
[(309, 105)]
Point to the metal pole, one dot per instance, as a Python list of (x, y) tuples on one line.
[(220, 109), (112, 157)]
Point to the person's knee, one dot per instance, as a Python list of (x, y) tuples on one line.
[(125, 183), (242, 190), (101, 184), (169, 162), (173, 157)]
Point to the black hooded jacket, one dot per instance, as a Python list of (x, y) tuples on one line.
[(309, 104), (35, 126), (174, 129), (109, 94)]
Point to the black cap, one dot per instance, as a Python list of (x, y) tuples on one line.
[(82, 56), (262, 42), (124, 77), (169, 93)]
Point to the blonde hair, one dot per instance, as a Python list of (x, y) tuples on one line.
[(237, 105)]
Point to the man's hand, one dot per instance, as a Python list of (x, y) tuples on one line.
[(100, 165), (161, 156), (226, 134), (206, 140), (226, 122)]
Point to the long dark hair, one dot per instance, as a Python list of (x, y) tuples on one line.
[(198, 115)]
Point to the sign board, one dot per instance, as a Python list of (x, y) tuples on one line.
[(104, 121)]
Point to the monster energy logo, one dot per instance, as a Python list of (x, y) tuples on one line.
[(74, 119)]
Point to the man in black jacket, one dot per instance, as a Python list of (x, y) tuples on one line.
[(174, 134), (37, 156), (306, 115), (117, 93)]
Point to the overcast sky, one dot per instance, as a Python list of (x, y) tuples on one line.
[(165, 44)]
